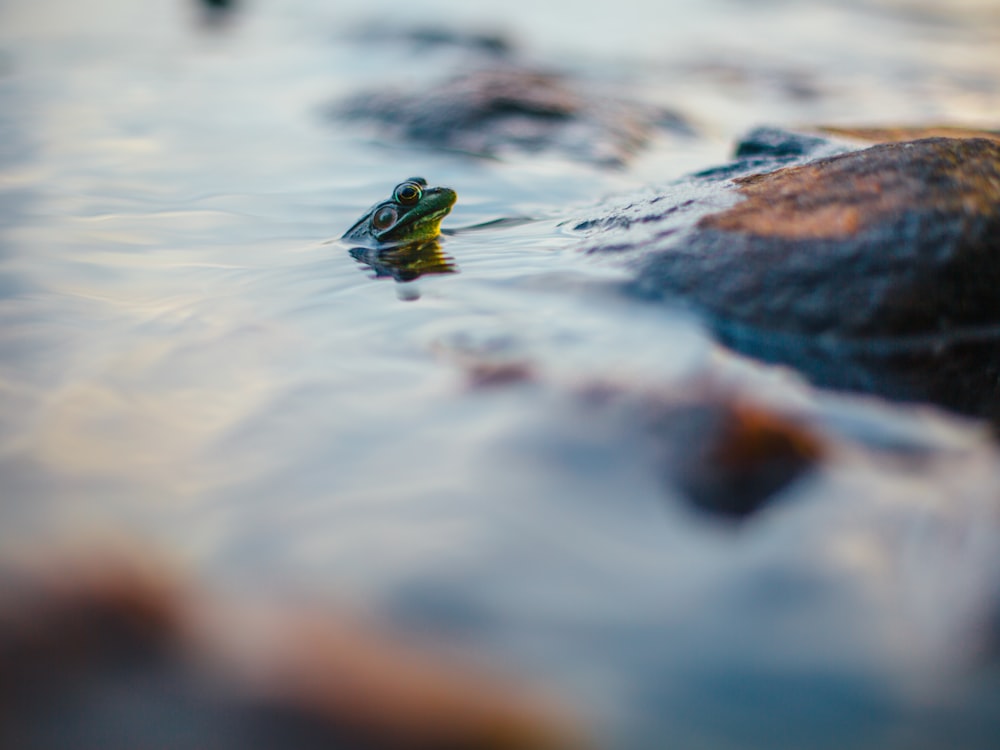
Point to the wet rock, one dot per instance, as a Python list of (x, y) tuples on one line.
[(873, 269), (731, 458), (958, 370), (898, 239), (498, 111), (775, 144), (98, 656), (767, 149)]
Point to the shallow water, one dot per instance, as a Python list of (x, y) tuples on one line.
[(189, 358)]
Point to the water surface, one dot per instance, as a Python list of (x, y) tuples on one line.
[(190, 359)]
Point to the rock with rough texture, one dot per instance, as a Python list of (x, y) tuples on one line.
[(510, 109), (898, 239), (872, 269)]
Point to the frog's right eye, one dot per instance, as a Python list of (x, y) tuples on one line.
[(384, 218), (407, 193)]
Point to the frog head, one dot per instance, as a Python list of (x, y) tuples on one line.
[(414, 212)]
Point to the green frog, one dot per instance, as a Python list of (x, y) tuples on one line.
[(412, 214)]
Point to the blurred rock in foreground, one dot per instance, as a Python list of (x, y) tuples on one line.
[(118, 656)]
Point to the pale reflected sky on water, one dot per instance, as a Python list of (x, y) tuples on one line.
[(187, 359)]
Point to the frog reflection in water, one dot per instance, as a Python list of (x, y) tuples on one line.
[(400, 235)]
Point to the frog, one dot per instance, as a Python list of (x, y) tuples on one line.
[(412, 214)]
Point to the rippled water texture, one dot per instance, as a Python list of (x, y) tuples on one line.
[(190, 359)]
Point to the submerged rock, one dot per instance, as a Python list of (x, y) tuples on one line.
[(868, 269), (496, 111), (730, 458)]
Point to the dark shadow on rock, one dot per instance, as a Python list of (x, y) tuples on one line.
[(958, 373)]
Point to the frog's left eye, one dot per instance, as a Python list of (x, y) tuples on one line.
[(384, 218), (407, 193)]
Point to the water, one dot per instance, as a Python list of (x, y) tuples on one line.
[(189, 360)]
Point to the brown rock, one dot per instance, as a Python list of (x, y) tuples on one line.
[(733, 458), (874, 270), (844, 195), (899, 239)]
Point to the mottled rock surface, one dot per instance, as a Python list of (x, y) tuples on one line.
[(872, 269), (898, 239)]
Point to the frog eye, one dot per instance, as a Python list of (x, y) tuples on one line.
[(408, 193), (384, 218)]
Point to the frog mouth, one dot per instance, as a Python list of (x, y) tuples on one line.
[(428, 225), (431, 220)]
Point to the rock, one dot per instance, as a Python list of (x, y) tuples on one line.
[(723, 452), (99, 655), (731, 458), (874, 269), (894, 240), (510, 109), (775, 143), (957, 370), (767, 149)]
